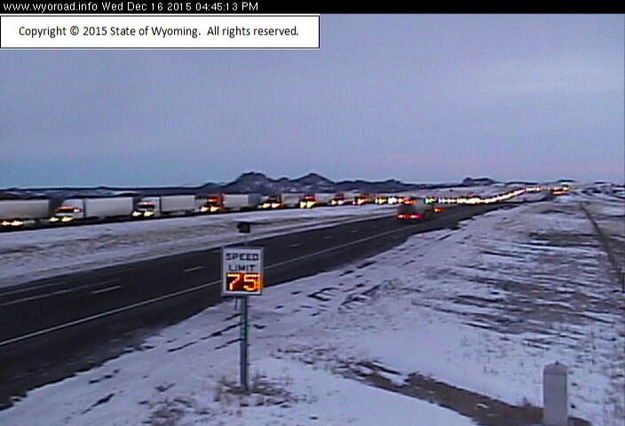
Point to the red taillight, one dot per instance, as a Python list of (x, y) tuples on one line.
[(409, 216)]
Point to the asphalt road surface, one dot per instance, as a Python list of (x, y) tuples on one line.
[(52, 328)]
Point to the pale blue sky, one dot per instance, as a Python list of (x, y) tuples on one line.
[(421, 98)]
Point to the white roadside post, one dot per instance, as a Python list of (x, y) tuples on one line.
[(242, 276), (555, 395)]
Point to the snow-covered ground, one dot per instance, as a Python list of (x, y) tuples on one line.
[(483, 308), (31, 255), (459, 191)]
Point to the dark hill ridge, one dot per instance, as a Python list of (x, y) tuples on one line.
[(310, 183), (483, 181), (313, 179), (249, 182)]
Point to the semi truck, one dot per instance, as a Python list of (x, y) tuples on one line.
[(200, 202), (362, 199), (342, 199), (231, 202), (73, 209), (380, 199), (272, 203), (165, 205), (18, 213), (315, 200)]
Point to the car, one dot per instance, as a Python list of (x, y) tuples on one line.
[(414, 210)]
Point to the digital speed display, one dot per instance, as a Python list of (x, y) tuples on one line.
[(242, 271), (244, 281)]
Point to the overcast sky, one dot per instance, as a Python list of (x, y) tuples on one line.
[(418, 98)]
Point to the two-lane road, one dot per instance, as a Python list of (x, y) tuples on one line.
[(51, 328)]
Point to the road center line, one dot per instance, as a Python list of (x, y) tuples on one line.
[(58, 292), (23, 290), (26, 299), (99, 283), (195, 268), (105, 290)]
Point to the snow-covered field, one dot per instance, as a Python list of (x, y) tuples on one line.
[(483, 308), (31, 255), (610, 216)]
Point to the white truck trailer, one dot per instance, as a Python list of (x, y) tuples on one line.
[(231, 202), (291, 199), (93, 208), (164, 205), (324, 198), (17, 213), (238, 202)]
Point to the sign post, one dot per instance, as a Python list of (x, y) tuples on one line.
[(242, 276), (244, 367)]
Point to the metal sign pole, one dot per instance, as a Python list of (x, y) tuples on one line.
[(244, 337), (243, 351)]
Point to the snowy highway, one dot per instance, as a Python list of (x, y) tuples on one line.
[(449, 327), (55, 327), (104, 303)]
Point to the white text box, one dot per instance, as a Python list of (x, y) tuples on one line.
[(159, 32)]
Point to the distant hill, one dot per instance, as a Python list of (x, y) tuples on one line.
[(310, 183), (483, 181), (249, 182)]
